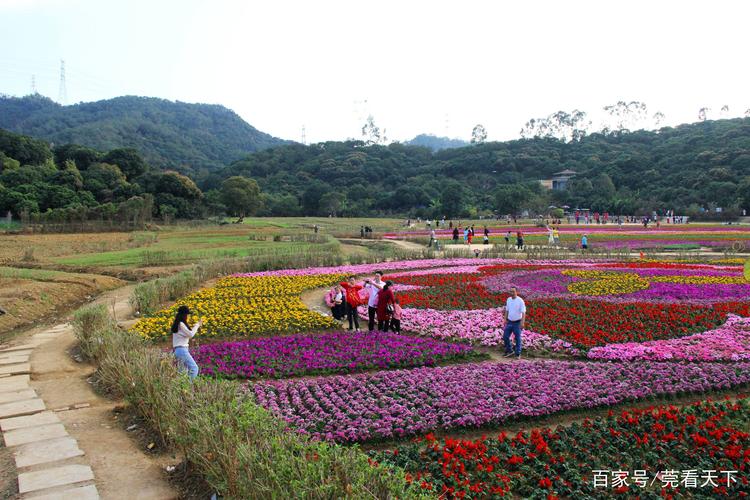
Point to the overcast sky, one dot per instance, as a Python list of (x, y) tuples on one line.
[(416, 66)]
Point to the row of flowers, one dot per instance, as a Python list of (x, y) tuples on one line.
[(729, 342), (246, 307), (325, 353), (648, 453), (399, 403)]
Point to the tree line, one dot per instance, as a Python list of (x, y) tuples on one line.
[(692, 169)]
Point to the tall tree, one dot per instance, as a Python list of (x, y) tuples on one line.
[(478, 134), (241, 196)]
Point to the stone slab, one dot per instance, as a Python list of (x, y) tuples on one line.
[(80, 493), (23, 347), (57, 476), (16, 368), (12, 354), (50, 450), (18, 408), (13, 360), (42, 418), (33, 434), (10, 396), (15, 383)]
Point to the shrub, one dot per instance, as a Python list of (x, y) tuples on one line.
[(89, 324)]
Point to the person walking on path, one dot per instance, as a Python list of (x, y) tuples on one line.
[(455, 235), (432, 238), (556, 236), (386, 302), (507, 239), (372, 302), (519, 240), (584, 242), (515, 317), (550, 236), (352, 302), (181, 335)]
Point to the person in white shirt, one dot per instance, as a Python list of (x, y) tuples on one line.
[(515, 316), (372, 302), (181, 335)]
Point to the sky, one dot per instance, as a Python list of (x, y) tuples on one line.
[(416, 66)]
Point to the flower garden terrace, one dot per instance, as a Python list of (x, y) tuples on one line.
[(599, 334), (608, 236)]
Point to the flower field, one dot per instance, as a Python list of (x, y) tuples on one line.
[(330, 352), (610, 236), (598, 334), (400, 403), (246, 306), (696, 443)]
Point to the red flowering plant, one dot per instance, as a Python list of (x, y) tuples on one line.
[(546, 463)]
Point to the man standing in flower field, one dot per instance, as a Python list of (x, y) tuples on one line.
[(515, 316), (372, 302)]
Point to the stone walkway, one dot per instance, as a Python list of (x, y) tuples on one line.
[(49, 462)]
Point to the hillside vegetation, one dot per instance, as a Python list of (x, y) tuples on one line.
[(692, 169), (187, 137)]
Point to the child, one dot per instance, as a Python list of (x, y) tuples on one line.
[(337, 298), (396, 317)]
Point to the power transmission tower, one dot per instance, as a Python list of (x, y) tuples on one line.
[(304, 139), (62, 96), (33, 85)]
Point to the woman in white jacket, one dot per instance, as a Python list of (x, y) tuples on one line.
[(181, 335)]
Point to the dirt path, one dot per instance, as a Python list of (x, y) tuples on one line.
[(121, 469)]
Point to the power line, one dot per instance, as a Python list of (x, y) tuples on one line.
[(62, 96)]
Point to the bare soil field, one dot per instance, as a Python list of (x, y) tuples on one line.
[(29, 296)]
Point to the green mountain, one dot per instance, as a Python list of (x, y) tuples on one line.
[(690, 168), (436, 143), (192, 138)]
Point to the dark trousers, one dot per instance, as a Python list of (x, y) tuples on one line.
[(383, 325), (396, 325), (338, 311), (352, 316), (519, 243), (371, 317)]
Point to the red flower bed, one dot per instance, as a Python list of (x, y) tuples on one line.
[(548, 463), (586, 323)]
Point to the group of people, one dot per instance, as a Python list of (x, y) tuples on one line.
[(382, 303), (469, 233)]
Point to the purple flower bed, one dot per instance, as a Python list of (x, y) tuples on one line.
[(394, 404), (331, 352), (550, 283)]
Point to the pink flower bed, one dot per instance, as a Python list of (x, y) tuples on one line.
[(478, 326), (729, 342)]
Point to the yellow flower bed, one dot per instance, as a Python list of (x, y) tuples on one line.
[(246, 306), (700, 280), (605, 282)]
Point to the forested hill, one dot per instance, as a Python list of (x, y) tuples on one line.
[(685, 168), (189, 137), (436, 143)]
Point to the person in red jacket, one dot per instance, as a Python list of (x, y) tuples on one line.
[(386, 302), (353, 300)]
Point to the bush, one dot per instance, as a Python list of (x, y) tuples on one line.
[(89, 325)]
